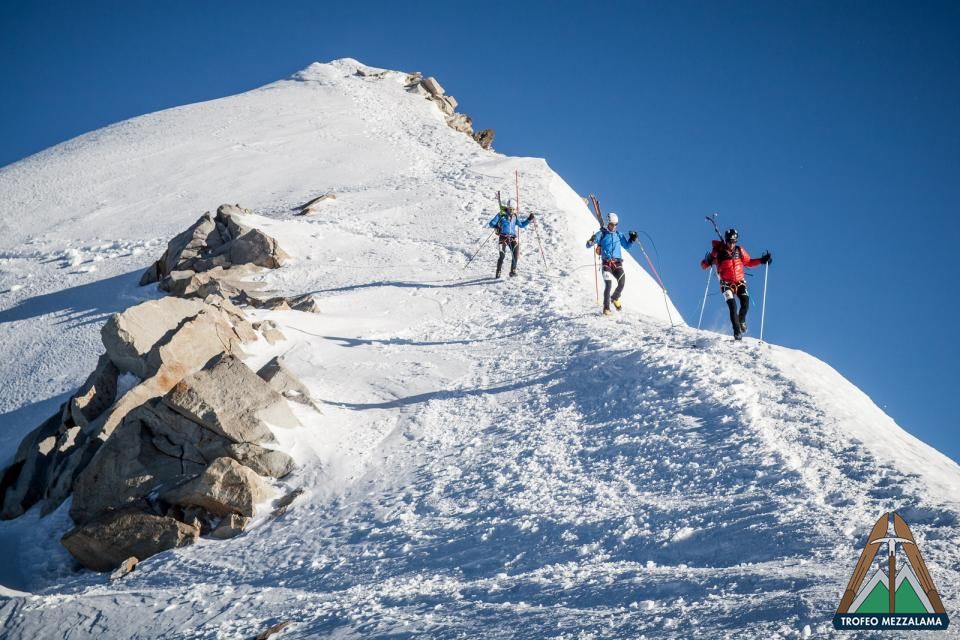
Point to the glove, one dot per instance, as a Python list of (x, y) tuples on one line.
[(633, 236), (766, 258), (531, 217), (708, 259)]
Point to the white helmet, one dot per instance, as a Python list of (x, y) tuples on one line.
[(613, 218), (509, 203)]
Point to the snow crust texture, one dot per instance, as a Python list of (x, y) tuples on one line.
[(494, 458)]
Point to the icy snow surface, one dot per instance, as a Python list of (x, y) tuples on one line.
[(494, 458)]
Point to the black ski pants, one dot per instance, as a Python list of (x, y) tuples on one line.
[(731, 291), (612, 271), (514, 246)]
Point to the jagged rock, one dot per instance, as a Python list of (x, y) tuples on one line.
[(484, 138), (125, 567), (189, 244), (256, 247), (306, 304), (275, 629), (151, 275), (413, 80), (432, 86), (284, 382), (213, 241), (447, 104), (96, 394), (461, 122), (49, 459), (152, 449), (129, 336), (103, 544), (270, 332), (230, 399), (199, 340), (21, 485), (230, 526), (313, 205), (263, 461), (230, 216), (224, 487)]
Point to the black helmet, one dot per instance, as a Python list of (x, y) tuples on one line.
[(731, 235)]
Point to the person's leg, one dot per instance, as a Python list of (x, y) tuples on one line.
[(503, 252), (744, 296), (731, 299), (607, 285), (515, 247), (621, 277)]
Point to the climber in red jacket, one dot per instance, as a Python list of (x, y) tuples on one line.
[(730, 259)]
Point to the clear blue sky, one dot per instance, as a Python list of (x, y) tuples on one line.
[(827, 132)]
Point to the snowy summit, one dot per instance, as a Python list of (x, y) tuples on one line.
[(471, 457)]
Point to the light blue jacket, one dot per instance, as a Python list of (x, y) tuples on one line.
[(507, 223), (610, 243)]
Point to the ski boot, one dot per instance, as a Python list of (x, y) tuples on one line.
[(617, 305), (743, 325), (497, 276), (513, 274), (607, 312)]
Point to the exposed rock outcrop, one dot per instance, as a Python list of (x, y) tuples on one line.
[(312, 206), (169, 437), (216, 241), (430, 88), (225, 487), (231, 400), (104, 544)]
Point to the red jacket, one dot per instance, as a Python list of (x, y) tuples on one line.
[(729, 263)]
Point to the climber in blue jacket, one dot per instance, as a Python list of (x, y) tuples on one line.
[(506, 223), (608, 242)]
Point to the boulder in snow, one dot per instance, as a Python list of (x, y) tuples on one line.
[(105, 543), (461, 122), (125, 568), (229, 399), (230, 526), (129, 336), (484, 138), (223, 241), (285, 382), (224, 487), (263, 461), (432, 86)]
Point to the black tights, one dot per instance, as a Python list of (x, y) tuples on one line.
[(616, 270), (731, 292)]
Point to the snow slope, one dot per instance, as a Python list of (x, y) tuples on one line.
[(494, 459)]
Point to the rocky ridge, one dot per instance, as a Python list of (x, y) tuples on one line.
[(170, 437)]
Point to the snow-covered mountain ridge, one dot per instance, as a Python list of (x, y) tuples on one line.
[(494, 458)]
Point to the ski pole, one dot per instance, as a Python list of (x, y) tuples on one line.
[(596, 278), (536, 230), (703, 305), (478, 249), (763, 306), (516, 210), (666, 302), (712, 219)]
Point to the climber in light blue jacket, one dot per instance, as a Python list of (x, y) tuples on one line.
[(506, 223), (608, 242)]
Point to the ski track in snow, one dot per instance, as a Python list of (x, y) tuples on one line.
[(494, 459)]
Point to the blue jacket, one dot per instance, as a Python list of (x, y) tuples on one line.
[(507, 224), (610, 243)]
